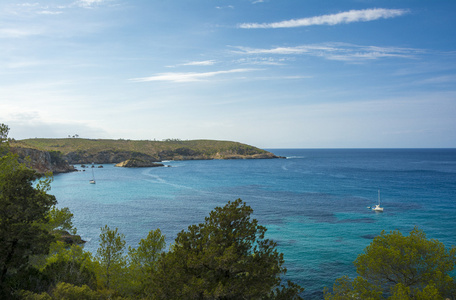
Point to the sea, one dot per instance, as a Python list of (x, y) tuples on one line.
[(314, 202)]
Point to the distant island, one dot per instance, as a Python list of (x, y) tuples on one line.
[(58, 155)]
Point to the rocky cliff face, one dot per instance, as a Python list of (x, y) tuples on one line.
[(138, 163), (114, 157), (43, 161), (106, 157), (56, 162)]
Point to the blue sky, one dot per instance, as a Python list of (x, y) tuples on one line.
[(270, 73)]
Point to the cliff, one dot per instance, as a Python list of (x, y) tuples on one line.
[(43, 161), (56, 155), (138, 163), (83, 151)]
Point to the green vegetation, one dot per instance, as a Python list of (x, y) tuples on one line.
[(23, 216), (400, 267), (78, 147), (226, 257)]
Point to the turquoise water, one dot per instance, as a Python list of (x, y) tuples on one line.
[(314, 203)]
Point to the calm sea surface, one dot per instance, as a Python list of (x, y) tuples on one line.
[(314, 203)]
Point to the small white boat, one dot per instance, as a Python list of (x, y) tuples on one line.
[(378, 207)]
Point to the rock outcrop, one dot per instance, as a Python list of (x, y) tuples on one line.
[(57, 155), (106, 157), (138, 163), (43, 161), (68, 238)]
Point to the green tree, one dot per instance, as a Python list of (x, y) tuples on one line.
[(68, 291), (23, 212), (143, 262), (226, 257), (63, 291), (4, 129), (61, 219), (402, 266), (71, 265), (110, 256)]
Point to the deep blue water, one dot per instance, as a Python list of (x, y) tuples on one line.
[(314, 203)]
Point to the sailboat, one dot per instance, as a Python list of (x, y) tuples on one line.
[(377, 207), (92, 181)]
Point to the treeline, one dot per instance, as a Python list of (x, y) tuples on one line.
[(225, 257)]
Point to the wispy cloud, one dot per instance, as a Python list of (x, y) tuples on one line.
[(89, 3), (199, 63), (271, 61), (351, 16), (17, 33), (223, 7), (29, 8), (337, 51), (188, 77), (49, 12)]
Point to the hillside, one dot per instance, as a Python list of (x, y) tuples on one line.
[(82, 151)]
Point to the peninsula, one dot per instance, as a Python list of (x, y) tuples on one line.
[(57, 155)]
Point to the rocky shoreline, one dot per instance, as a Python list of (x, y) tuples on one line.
[(55, 162), (43, 161), (138, 163)]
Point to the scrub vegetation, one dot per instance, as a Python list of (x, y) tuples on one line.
[(208, 148)]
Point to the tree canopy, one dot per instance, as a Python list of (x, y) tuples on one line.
[(400, 267), (226, 257), (24, 209)]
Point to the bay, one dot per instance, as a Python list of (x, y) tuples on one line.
[(314, 202)]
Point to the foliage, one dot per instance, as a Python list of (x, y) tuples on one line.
[(63, 291), (56, 157), (60, 219), (110, 256), (152, 148), (402, 267), (28, 295), (72, 265), (23, 211), (4, 129), (226, 257), (71, 292), (143, 262)]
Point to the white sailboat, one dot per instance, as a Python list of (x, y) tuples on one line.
[(378, 207), (92, 181)]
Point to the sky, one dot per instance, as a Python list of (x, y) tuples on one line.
[(269, 73)]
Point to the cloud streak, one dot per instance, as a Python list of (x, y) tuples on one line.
[(337, 51), (351, 16), (187, 77), (89, 3), (199, 63)]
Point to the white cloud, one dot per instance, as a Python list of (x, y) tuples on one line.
[(187, 77), (199, 63), (17, 32), (49, 12), (28, 4), (351, 16), (223, 7), (337, 51), (90, 3), (260, 61)]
